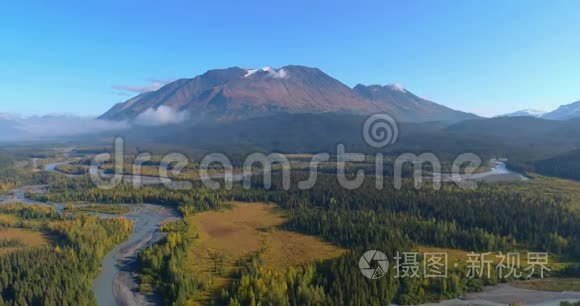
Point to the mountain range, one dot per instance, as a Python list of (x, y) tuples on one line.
[(236, 93), (526, 113), (564, 112), (237, 96)]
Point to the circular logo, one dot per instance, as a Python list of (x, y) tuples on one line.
[(380, 130), (373, 264)]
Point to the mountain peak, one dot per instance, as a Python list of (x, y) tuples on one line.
[(267, 71), (565, 112), (525, 113), (376, 88), (223, 74), (377, 92), (236, 93), (397, 87)]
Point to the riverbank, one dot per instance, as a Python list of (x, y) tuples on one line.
[(498, 172), (506, 294), (116, 284)]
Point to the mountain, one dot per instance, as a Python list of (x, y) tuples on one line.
[(565, 112), (526, 113), (236, 93)]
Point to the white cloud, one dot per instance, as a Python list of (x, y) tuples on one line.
[(161, 116), (280, 74), (275, 73), (16, 127), (9, 116)]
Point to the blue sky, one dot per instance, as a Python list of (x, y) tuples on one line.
[(487, 57)]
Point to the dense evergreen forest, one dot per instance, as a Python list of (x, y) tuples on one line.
[(8, 178), (566, 165), (162, 267), (499, 217), (468, 218), (490, 218), (61, 273), (16, 172)]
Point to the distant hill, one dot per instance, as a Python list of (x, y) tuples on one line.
[(526, 113), (564, 165), (508, 127), (8, 128), (312, 133), (530, 144), (534, 134), (564, 112), (236, 93)]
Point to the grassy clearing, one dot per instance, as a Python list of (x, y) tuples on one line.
[(457, 255), (550, 284), (154, 171), (454, 256), (226, 236), (99, 208), (459, 258), (553, 185), (8, 220), (72, 169), (27, 237), (567, 190)]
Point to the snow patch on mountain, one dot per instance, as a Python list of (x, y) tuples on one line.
[(271, 72), (526, 113), (397, 87)]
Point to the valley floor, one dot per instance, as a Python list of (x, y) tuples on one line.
[(225, 235)]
